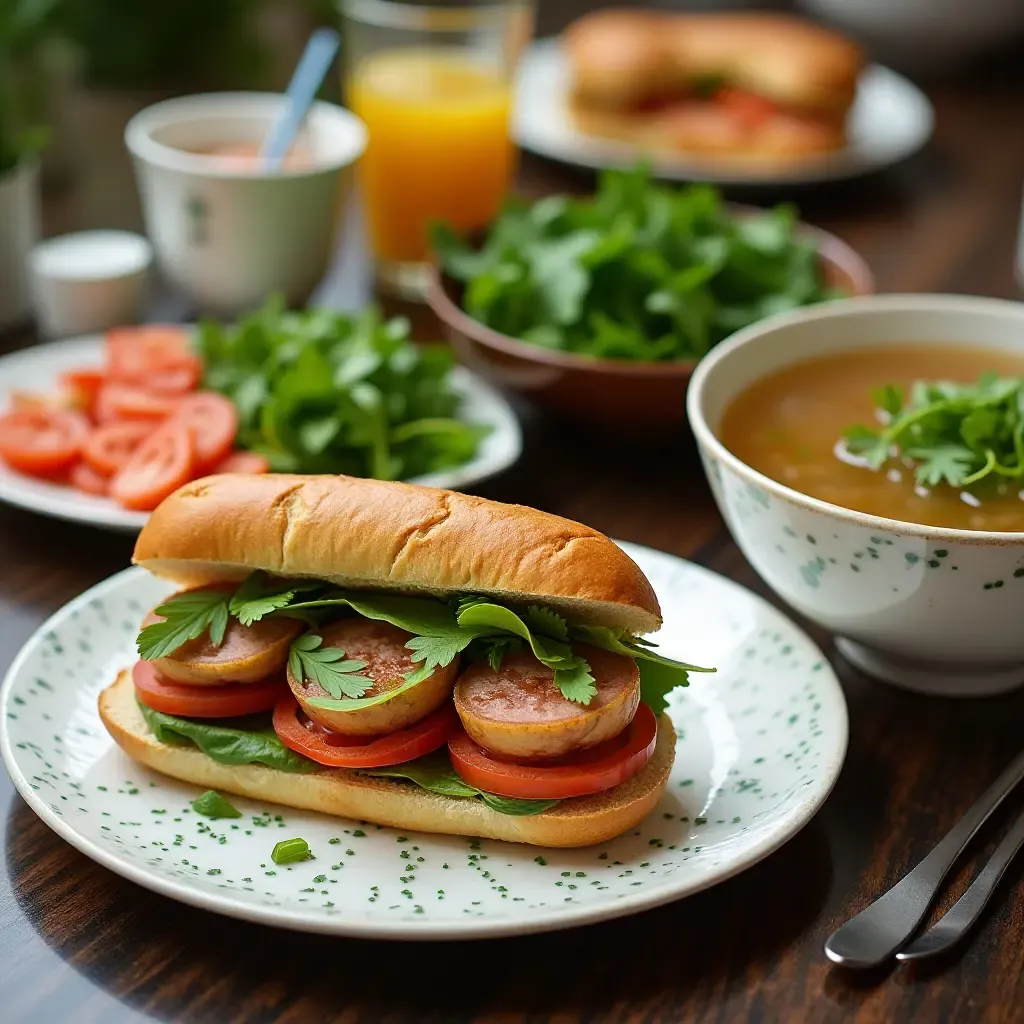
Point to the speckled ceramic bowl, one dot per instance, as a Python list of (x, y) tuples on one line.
[(931, 609)]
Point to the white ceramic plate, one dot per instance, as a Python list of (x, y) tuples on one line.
[(760, 745), (39, 368), (890, 120)]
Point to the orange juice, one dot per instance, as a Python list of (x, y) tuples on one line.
[(439, 146)]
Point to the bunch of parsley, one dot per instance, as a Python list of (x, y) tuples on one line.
[(325, 392), (640, 271), (955, 434)]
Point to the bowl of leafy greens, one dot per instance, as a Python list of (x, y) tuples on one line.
[(601, 306), (318, 391)]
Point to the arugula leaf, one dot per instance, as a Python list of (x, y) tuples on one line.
[(325, 667), (186, 616), (639, 271), (324, 392), (249, 740), (255, 598), (955, 435), (212, 805), (434, 773)]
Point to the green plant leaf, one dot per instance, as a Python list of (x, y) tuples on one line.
[(435, 774), (212, 805), (186, 616), (308, 660), (249, 740)]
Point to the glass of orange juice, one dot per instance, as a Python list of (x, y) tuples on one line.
[(433, 85)]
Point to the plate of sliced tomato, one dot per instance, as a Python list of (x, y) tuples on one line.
[(100, 429)]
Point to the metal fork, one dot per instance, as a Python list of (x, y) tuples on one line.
[(877, 932)]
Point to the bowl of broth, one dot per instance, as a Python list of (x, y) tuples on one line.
[(226, 229), (865, 456)]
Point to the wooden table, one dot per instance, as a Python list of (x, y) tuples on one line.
[(78, 943)]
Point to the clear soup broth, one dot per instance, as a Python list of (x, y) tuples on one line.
[(787, 426)]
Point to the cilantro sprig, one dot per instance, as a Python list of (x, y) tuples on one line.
[(186, 616), (327, 667), (953, 434)]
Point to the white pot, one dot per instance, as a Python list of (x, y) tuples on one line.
[(19, 231), (228, 237), (932, 609)]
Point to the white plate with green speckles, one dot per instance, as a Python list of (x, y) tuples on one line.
[(760, 745)]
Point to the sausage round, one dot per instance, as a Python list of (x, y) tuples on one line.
[(248, 653), (388, 661), (518, 712)]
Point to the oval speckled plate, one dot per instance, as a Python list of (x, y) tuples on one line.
[(39, 368), (760, 745)]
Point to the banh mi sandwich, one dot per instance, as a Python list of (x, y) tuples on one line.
[(754, 87), (402, 655)]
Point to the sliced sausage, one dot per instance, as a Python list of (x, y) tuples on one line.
[(248, 653), (518, 712), (388, 661)]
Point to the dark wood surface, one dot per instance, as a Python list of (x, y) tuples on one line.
[(78, 943)]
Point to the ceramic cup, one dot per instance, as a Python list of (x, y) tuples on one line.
[(89, 281), (229, 236), (928, 608)]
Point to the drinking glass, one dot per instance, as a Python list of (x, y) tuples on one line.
[(433, 85)]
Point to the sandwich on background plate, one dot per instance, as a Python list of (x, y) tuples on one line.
[(402, 655), (761, 88)]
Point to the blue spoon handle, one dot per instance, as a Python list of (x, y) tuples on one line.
[(312, 67)]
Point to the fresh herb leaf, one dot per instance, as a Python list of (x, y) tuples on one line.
[(545, 621), (576, 682), (212, 805), (250, 740), (639, 271), (324, 392), (291, 851), (516, 806), (435, 774), (954, 435), (186, 616), (325, 666), (256, 598)]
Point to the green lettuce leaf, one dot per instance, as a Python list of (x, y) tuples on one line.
[(435, 774), (251, 740)]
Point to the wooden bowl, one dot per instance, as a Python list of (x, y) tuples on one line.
[(612, 393)]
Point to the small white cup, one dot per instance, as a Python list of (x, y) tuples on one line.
[(88, 281), (229, 236)]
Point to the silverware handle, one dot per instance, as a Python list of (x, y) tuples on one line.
[(877, 932), (962, 916)]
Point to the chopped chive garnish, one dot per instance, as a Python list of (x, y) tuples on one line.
[(212, 805), (289, 851)]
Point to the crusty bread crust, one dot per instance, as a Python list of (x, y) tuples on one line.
[(623, 57), (393, 536), (580, 821)]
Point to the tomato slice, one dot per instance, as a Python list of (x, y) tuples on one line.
[(213, 421), (571, 776), (243, 462), (339, 751), (85, 478), (175, 380), (118, 401), (135, 352), (226, 701), (748, 108), (160, 465), (82, 386), (110, 446), (42, 441)]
